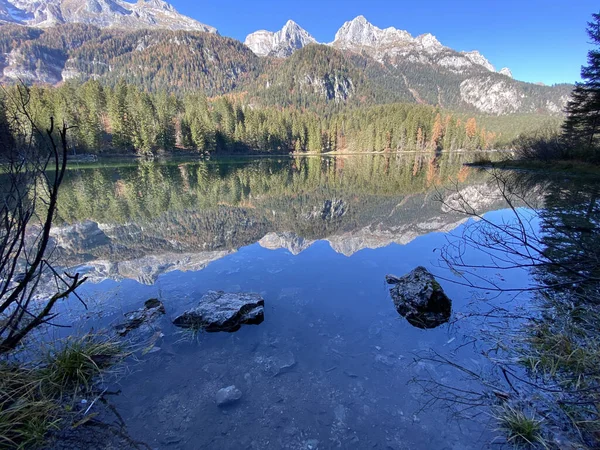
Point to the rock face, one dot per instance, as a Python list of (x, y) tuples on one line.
[(393, 45), (228, 396), (102, 13), (328, 211), (280, 44), (220, 311), (290, 241), (420, 299), (151, 311), (506, 71), (359, 35), (491, 95)]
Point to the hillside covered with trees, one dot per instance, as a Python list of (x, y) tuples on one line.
[(126, 119)]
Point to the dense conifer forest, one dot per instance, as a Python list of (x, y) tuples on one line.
[(126, 119)]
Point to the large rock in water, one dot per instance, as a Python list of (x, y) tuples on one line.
[(220, 311), (420, 299)]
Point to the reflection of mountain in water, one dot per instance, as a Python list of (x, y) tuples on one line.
[(141, 221)]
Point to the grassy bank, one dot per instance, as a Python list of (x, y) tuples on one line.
[(55, 391)]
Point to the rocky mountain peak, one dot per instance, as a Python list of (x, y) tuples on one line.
[(477, 58), (430, 43), (506, 71), (157, 4), (360, 35), (280, 44), (359, 32), (102, 13), (387, 45)]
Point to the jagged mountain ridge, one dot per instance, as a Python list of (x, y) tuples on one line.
[(279, 44), (102, 13), (389, 44), (396, 67)]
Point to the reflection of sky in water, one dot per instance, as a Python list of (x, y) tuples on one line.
[(327, 309), (333, 314)]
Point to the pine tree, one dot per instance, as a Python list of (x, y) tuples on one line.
[(582, 126), (436, 133), (119, 119)]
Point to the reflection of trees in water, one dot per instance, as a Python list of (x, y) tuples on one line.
[(163, 210), (148, 189), (543, 352), (571, 233)]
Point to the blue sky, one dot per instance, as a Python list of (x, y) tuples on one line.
[(538, 40)]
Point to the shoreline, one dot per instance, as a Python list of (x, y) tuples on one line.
[(98, 157), (559, 166)]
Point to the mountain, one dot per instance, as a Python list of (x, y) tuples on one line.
[(384, 45), (155, 59), (324, 78), (375, 65), (280, 44), (359, 35), (149, 44), (102, 13)]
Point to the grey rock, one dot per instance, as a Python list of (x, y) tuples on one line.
[(151, 311), (420, 299), (220, 311), (385, 360), (392, 279), (311, 444), (278, 364), (101, 13), (330, 210), (228, 396), (284, 363), (280, 44)]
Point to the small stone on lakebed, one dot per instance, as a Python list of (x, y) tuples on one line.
[(151, 311), (228, 396)]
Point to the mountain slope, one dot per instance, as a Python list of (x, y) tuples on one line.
[(102, 13), (399, 67), (154, 59), (362, 37), (319, 76), (281, 44)]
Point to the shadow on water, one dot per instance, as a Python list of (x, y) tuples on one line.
[(542, 354)]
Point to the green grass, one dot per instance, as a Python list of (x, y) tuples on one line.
[(190, 334), (38, 399), (73, 364), (519, 428), (27, 413), (564, 350)]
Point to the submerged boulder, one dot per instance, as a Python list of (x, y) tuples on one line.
[(228, 396), (420, 299), (220, 311), (152, 310)]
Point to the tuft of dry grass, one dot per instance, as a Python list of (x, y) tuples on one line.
[(519, 428), (37, 399), (73, 364)]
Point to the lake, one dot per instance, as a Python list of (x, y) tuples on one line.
[(333, 365)]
